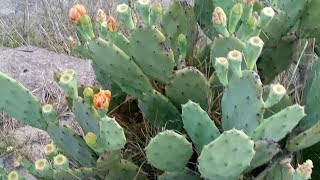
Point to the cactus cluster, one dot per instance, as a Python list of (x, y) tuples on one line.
[(148, 53)]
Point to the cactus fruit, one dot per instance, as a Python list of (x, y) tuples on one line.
[(151, 55), (238, 152), (252, 51), (112, 134), (125, 16), (235, 61), (60, 162), (14, 175), (49, 113), (159, 111), (183, 85), (245, 111), (50, 150), (163, 150), (222, 67), (28, 109), (44, 168), (234, 17), (277, 126), (277, 91), (200, 128)]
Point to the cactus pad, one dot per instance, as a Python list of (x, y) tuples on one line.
[(308, 27), (275, 59), (282, 170), (203, 10), (305, 139), (265, 150), (242, 105), (222, 46), (159, 111), (188, 84), (87, 116), (169, 151), (72, 145), (120, 67), (125, 170), (19, 103), (312, 98), (150, 55), (179, 19), (279, 125), (76, 174), (230, 154), (186, 174), (112, 134), (200, 128)]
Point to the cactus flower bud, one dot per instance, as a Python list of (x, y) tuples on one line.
[(304, 171), (251, 2), (101, 100), (91, 138), (219, 20), (219, 17), (76, 12), (112, 24), (101, 16)]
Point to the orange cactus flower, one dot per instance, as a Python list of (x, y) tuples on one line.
[(76, 12), (101, 100), (112, 24)]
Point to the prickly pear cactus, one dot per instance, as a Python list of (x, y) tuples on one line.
[(239, 150)]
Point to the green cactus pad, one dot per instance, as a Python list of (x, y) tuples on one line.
[(76, 174), (72, 145), (120, 41), (87, 116), (150, 55), (159, 111), (108, 159), (284, 102), (238, 152), (180, 19), (125, 170), (203, 10), (112, 134), (120, 67), (200, 128), (282, 171), (185, 174), (308, 27), (275, 59), (288, 14), (311, 98), (19, 103), (222, 46), (279, 125), (242, 105), (169, 151), (188, 84), (265, 151), (305, 139)]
